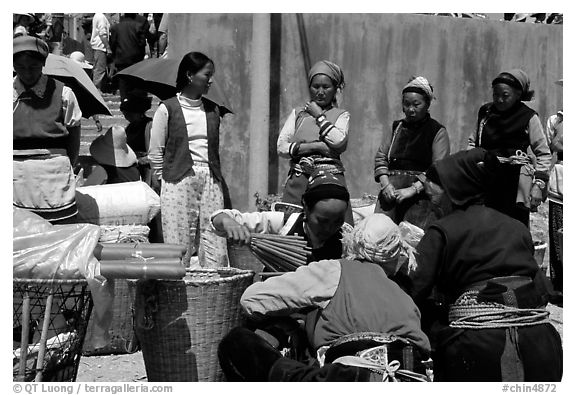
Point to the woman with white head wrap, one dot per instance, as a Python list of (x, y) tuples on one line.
[(340, 298)]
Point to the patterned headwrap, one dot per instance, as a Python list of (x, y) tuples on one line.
[(375, 239), (330, 69), (518, 79), (324, 185), (420, 85)]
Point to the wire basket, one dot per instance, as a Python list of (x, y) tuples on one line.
[(180, 323), (49, 323)]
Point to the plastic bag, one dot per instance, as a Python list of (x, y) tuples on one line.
[(126, 203), (45, 251)]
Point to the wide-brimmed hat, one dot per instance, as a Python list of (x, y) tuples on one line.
[(32, 44), (111, 148), (79, 58), (136, 101)]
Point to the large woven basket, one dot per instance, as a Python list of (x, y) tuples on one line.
[(49, 320), (180, 323)]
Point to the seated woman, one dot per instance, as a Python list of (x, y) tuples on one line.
[(116, 160), (482, 261), (325, 202), (341, 297)]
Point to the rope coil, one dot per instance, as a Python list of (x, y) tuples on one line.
[(468, 313)]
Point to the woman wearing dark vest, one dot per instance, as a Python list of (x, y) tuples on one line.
[(415, 143), (184, 155), (507, 127), (343, 299), (482, 262), (315, 135), (325, 202), (46, 136)]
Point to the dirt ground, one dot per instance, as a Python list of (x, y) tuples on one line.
[(130, 367)]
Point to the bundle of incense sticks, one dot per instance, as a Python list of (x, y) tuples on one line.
[(280, 253)]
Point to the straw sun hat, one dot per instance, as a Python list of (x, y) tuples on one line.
[(111, 148)]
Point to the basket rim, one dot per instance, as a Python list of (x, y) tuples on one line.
[(48, 281), (238, 275)]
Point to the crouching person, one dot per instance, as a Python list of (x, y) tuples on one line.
[(355, 317)]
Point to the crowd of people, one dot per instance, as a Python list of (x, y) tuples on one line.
[(474, 302)]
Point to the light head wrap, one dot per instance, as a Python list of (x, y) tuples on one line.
[(420, 85), (330, 69), (375, 239), (517, 79)]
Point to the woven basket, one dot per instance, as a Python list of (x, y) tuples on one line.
[(49, 323), (180, 323), (242, 258), (122, 337)]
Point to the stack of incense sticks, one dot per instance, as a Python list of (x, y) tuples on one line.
[(141, 260), (280, 253)]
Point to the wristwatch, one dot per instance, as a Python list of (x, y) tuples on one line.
[(321, 118)]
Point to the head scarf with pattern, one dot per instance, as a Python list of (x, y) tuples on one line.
[(324, 185), (518, 79), (330, 69), (420, 85)]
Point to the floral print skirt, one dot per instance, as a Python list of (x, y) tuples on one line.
[(186, 209)]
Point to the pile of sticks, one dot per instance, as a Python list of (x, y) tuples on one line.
[(280, 253)]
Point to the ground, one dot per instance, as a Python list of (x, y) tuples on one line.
[(130, 367)]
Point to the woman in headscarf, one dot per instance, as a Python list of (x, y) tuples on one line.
[(325, 203), (482, 262), (184, 156), (508, 127), (316, 134), (350, 305), (415, 142), (46, 136)]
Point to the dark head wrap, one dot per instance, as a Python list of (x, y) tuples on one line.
[(330, 69), (517, 79), (465, 176), (324, 185)]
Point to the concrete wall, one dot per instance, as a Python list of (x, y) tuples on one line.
[(378, 53)]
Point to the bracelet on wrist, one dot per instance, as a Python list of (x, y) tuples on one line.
[(541, 184)]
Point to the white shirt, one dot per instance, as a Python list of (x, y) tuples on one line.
[(196, 125), (100, 27)]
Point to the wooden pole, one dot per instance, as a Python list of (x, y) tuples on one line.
[(259, 108)]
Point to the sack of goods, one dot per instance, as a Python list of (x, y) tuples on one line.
[(127, 203)]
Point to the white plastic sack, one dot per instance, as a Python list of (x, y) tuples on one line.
[(126, 203)]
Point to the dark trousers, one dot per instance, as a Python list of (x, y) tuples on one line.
[(245, 356), (476, 354)]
